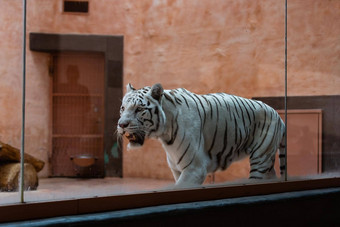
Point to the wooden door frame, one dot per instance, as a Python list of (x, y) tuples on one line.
[(112, 47)]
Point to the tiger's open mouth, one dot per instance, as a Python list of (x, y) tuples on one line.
[(135, 138)]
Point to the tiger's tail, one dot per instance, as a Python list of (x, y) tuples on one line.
[(282, 157)]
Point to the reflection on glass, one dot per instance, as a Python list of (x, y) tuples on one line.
[(304, 142), (77, 140)]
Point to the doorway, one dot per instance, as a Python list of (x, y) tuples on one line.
[(111, 48), (78, 113)]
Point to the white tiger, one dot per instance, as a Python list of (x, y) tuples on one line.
[(203, 133)]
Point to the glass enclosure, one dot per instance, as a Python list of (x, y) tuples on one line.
[(79, 59)]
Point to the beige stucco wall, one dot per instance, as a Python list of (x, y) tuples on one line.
[(205, 46), (10, 72)]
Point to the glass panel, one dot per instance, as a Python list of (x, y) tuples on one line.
[(236, 47), (75, 84), (10, 99), (313, 88)]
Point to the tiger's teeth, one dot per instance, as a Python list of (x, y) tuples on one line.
[(130, 136)]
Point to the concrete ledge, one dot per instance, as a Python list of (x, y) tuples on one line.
[(304, 208)]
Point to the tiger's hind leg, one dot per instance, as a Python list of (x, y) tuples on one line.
[(262, 157), (262, 166)]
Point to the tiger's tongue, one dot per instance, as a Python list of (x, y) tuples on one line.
[(130, 136)]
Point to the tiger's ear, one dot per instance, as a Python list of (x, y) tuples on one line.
[(129, 88), (157, 92)]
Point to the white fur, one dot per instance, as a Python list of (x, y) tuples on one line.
[(193, 120)]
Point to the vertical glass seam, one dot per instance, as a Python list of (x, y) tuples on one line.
[(285, 99), (22, 151)]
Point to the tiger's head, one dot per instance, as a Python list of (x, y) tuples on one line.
[(141, 114)]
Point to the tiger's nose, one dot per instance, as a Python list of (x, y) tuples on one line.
[(123, 124)]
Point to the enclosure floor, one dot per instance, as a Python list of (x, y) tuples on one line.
[(51, 189)]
